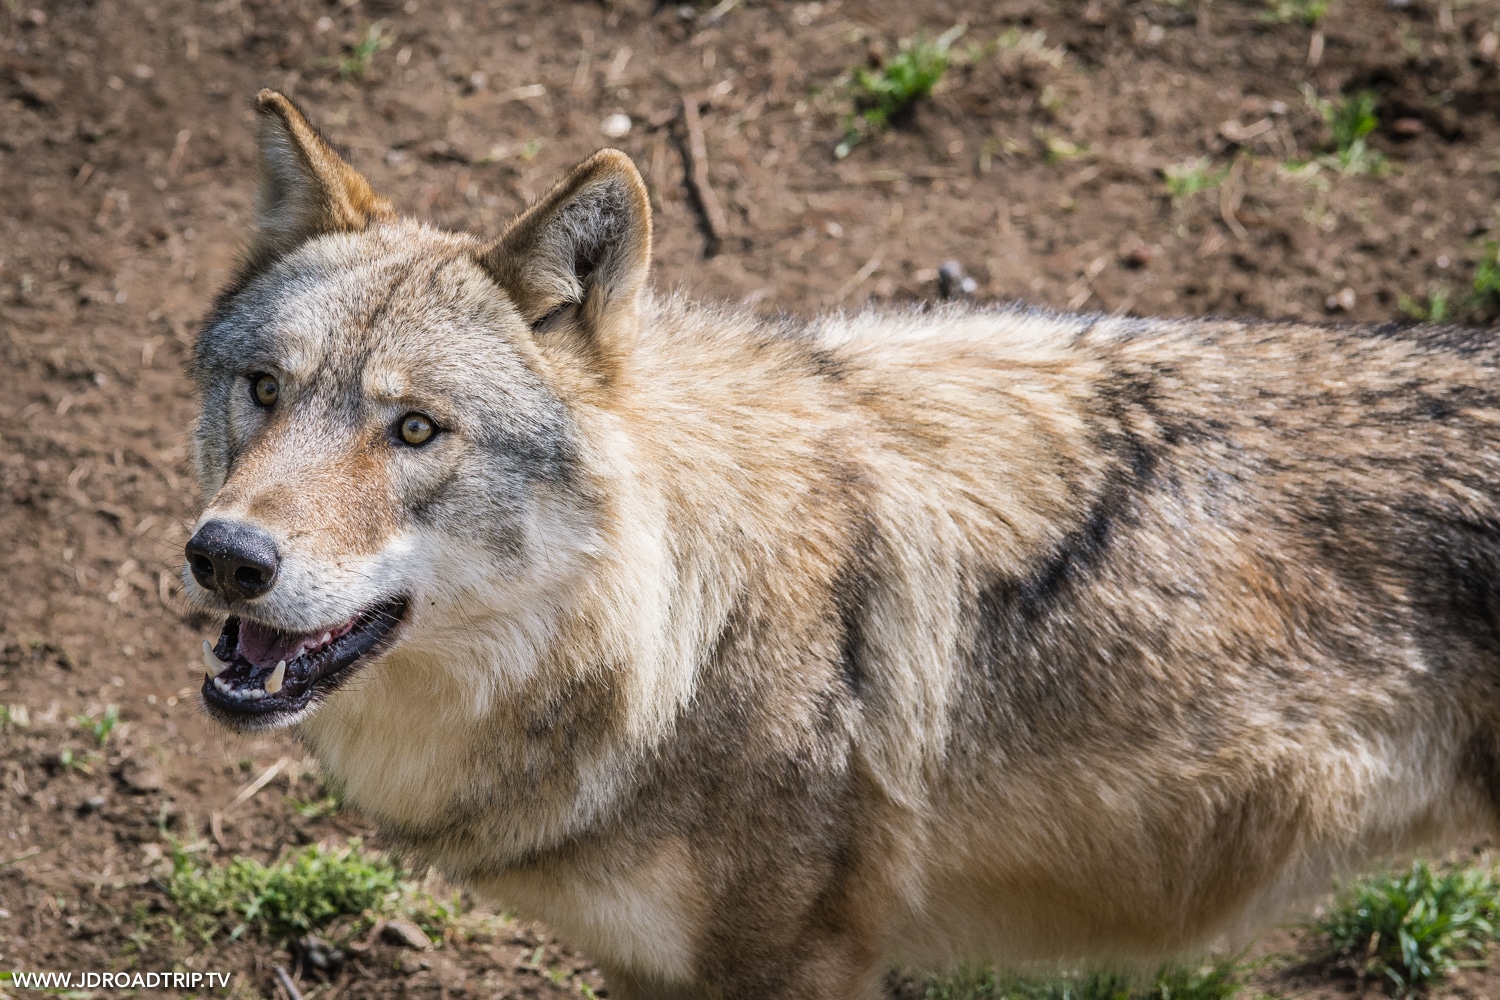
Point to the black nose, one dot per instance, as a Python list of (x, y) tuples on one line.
[(233, 558)]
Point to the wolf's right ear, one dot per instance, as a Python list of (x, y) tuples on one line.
[(584, 249), (306, 189)]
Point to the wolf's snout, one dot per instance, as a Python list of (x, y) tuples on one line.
[(234, 559)]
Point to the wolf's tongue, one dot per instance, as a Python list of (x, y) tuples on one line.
[(263, 646)]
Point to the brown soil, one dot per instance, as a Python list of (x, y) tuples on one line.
[(126, 184)]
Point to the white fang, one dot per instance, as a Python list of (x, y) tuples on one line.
[(211, 663)]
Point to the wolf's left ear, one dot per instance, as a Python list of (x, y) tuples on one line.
[(581, 253), (306, 189)]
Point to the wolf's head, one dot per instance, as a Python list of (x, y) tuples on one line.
[(390, 445)]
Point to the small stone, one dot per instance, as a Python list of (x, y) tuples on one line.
[(92, 804), (405, 934), (318, 953), (953, 283), (40, 89), (616, 126), (1408, 126), (142, 775), (1341, 301)]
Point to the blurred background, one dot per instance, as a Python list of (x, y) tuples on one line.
[(1326, 160)]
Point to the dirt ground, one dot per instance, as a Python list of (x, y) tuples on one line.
[(126, 183)]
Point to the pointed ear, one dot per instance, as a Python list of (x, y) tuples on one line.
[(581, 253), (306, 189)]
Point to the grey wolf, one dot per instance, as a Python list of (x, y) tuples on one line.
[(755, 655)]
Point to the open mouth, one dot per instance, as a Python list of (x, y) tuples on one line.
[(257, 673)]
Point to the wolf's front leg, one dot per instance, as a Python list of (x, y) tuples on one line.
[(805, 970), (626, 985), (835, 970)]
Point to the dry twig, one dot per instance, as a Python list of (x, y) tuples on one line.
[(258, 783), (695, 159), (1231, 193), (292, 993)]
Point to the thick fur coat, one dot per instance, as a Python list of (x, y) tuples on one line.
[(755, 656)]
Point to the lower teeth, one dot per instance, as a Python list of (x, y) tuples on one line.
[(245, 694)]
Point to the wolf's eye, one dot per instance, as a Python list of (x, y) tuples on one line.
[(415, 429), (264, 389)]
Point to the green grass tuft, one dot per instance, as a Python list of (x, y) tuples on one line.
[(905, 79), (102, 726), (362, 55), (1414, 928), (1487, 276), (1435, 307), (1183, 180), (1351, 119), (1308, 12), (328, 805), (310, 890), (1219, 981)]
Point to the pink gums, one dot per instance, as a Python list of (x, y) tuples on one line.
[(264, 646)]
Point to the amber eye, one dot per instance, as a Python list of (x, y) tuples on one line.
[(265, 390), (415, 428)]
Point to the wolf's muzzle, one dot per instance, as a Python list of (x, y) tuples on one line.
[(232, 558)]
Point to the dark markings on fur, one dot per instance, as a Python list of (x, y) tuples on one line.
[(821, 359), (218, 312), (851, 594), (539, 440), (1427, 400), (1021, 627), (543, 451), (426, 507), (553, 721), (383, 305), (828, 364), (436, 282), (554, 317), (1463, 341), (1030, 597), (1454, 566)]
